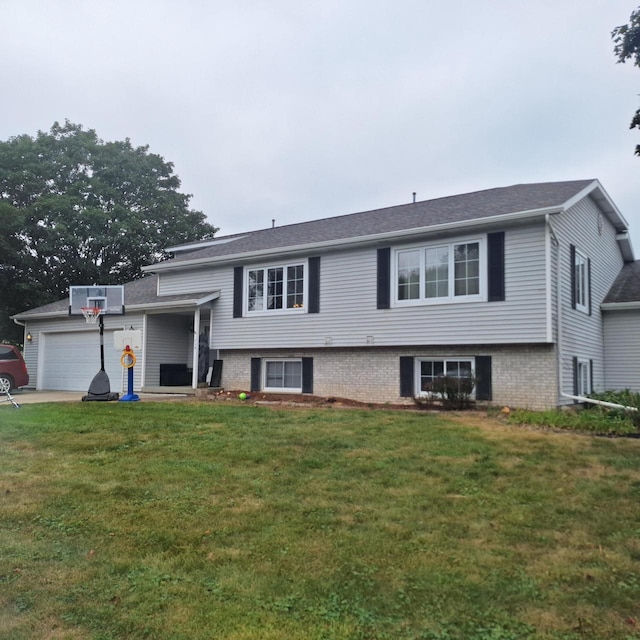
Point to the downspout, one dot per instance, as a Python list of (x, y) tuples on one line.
[(24, 326), (554, 237), (602, 403)]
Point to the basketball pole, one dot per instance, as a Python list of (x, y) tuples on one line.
[(101, 321), (100, 387)]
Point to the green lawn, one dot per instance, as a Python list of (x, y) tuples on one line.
[(198, 521)]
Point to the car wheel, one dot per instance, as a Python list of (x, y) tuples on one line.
[(6, 383)]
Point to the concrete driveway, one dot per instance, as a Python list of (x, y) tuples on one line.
[(31, 396)]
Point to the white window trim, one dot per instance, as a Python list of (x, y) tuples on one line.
[(580, 258), (280, 389), (481, 296), (420, 359), (284, 310), (585, 365)]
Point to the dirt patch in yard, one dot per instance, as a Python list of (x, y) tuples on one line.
[(305, 400)]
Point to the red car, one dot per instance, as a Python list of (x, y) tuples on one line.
[(13, 370)]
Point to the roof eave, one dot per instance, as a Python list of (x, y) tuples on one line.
[(360, 240), (144, 306), (620, 306)]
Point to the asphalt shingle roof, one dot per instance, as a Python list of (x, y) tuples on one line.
[(459, 208), (626, 287), (138, 292)]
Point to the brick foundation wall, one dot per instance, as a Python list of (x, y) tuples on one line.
[(523, 376)]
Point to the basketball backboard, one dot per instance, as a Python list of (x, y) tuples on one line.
[(127, 337), (108, 298)]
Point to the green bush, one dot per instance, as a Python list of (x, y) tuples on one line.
[(625, 397), (453, 393), (596, 420)]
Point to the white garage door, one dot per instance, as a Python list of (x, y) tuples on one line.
[(71, 360)]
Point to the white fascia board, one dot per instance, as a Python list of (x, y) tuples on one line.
[(361, 240), (203, 244), (604, 201), (619, 306), (626, 248)]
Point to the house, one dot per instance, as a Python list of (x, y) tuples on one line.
[(532, 289)]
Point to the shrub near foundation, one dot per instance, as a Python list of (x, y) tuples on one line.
[(453, 394), (627, 398)]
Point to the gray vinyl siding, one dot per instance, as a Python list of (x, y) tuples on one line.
[(582, 334), (168, 342), (196, 281), (349, 318), (66, 323), (622, 349)]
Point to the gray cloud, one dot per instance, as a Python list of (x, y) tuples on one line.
[(298, 110)]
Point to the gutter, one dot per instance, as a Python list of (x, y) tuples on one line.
[(362, 240), (619, 306)]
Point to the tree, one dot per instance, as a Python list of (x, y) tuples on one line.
[(77, 210), (627, 45)]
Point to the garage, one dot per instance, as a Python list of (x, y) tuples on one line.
[(70, 360)]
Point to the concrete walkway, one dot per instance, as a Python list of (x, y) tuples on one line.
[(31, 396)]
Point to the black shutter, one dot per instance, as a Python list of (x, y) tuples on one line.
[(216, 376), (575, 376), (238, 277), (590, 376), (384, 278), (495, 264), (589, 282), (406, 377), (314, 285), (484, 389), (256, 366), (572, 258), (307, 375)]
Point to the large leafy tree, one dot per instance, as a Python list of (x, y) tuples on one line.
[(77, 210), (627, 45)]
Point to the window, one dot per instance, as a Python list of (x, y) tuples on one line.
[(282, 375), (8, 353), (277, 288), (430, 370), (583, 377), (580, 280), (440, 273)]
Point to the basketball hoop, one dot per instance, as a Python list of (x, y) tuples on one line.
[(91, 314)]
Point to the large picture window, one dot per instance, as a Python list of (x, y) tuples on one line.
[(276, 288), (440, 273), (428, 370)]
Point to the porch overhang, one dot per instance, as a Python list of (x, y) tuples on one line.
[(159, 305)]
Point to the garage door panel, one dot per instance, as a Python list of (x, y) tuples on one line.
[(71, 360)]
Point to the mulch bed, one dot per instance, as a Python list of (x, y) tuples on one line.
[(307, 400)]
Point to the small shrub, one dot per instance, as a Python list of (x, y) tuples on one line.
[(453, 393), (625, 397), (598, 420)]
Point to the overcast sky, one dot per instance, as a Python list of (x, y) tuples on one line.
[(303, 109)]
